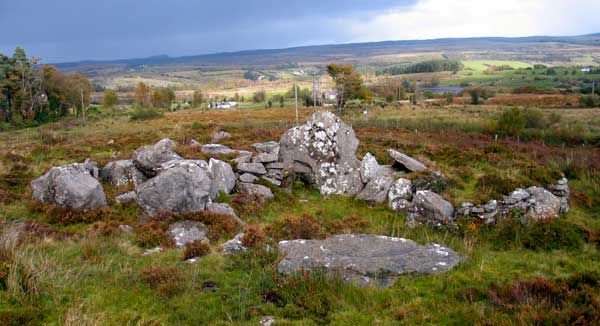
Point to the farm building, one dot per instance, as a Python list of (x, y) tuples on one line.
[(223, 105)]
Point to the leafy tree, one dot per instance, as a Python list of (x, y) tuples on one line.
[(163, 97), (198, 98), (259, 97), (111, 99), (425, 67), (348, 83), (141, 95)]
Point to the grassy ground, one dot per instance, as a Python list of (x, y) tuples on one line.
[(83, 271)]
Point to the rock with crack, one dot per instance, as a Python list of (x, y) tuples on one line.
[(74, 187), (184, 232), (431, 208), (261, 193), (366, 259), (121, 173), (234, 246), (406, 162), (253, 168), (149, 158), (400, 195), (223, 177), (184, 187), (544, 205), (324, 150), (376, 191)]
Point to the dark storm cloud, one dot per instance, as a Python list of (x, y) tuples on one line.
[(80, 29)]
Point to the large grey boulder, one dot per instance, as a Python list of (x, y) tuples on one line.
[(260, 192), (149, 158), (431, 208), (324, 150), (365, 259), (376, 191), (121, 173), (74, 186), (223, 177), (406, 162), (185, 232), (400, 195), (185, 187)]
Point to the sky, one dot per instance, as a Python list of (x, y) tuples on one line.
[(73, 30)]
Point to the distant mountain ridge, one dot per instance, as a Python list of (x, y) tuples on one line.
[(328, 52)]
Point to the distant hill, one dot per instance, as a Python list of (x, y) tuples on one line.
[(538, 48)]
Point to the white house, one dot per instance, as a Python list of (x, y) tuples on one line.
[(223, 105), (586, 70)]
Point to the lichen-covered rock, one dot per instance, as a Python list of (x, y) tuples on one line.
[(234, 246), (431, 208), (406, 162), (260, 192), (149, 158), (369, 168), (123, 172), (324, 150), (185, 232), (544, 205), (223, 177), (185, 187), (400, 195), (376, 191), (366, 259), (74, 186)]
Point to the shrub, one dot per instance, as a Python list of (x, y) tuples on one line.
[(303, 227), (218, 225), (544, 235), (534, 118), (166, 280), (552, 235), (511, 122), (152, 234), (253, 236), (196, 249), (140, 114)]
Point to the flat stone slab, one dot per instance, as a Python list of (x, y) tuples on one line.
[(366, 259)]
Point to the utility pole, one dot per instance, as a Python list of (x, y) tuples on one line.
[(593, 88), (296, 96)]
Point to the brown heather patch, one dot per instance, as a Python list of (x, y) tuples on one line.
[(196, 249), (253, 237), (219, 226), (308, 227), (167, 281)]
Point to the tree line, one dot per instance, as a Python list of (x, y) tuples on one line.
[(425, 67), (31, 94)]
